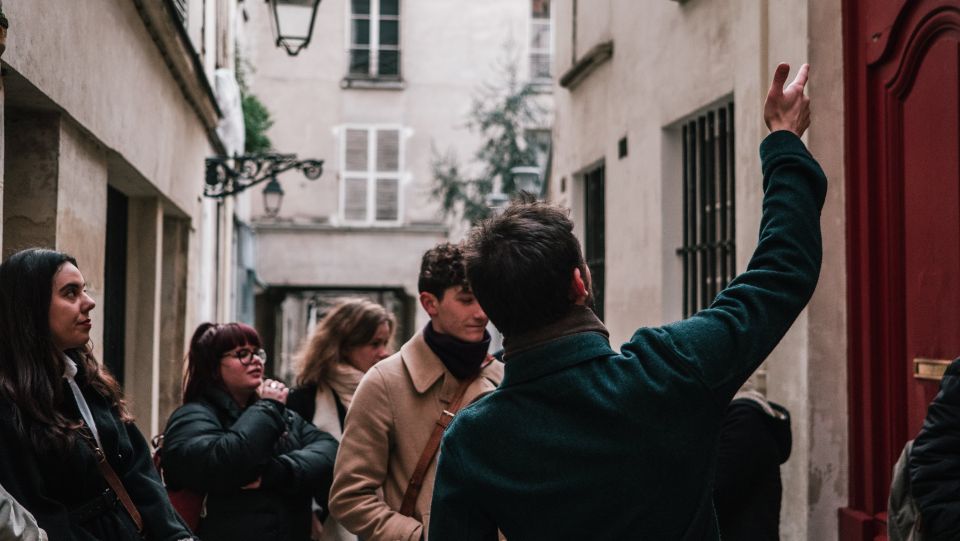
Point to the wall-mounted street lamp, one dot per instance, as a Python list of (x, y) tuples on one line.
[(293, 23), (525, 179), (229, 176)]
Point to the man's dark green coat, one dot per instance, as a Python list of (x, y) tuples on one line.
[(580, 442)]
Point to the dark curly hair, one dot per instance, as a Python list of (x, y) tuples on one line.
[(442, 268)]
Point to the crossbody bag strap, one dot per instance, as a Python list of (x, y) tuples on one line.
[(113, 481), (430, 450)]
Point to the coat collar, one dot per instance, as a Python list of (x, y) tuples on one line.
[(423, 365), (574, 339)]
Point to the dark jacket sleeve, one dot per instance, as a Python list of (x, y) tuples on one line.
[(161, 521), (723, 344), (303, 401), (21, 477), (454, 515), (307, 469), (934, 464), (201, 454)]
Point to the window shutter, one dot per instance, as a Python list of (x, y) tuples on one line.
[(355, 199), (388, 199), (356, 159), (388, 151)]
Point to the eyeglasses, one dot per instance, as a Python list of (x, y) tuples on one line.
[(245, 356)]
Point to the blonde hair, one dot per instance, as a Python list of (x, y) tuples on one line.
[(349, 324)]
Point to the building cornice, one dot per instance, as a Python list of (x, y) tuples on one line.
[(595, 57), (184, 63)]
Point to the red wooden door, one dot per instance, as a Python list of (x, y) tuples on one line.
[(903, 230)]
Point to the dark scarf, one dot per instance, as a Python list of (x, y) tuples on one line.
[(462, 359), (579, 319)]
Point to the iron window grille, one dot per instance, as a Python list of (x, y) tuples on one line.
[(375, 39), (709, 210)]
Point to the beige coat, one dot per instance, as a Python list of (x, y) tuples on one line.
[(389, 422)]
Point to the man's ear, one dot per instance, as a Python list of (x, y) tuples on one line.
[(430, 303), (578, 287)]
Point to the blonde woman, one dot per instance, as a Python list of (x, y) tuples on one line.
[(353, 337)]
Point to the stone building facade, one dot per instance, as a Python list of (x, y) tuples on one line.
[(108, 113)]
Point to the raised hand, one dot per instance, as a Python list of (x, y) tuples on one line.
[(787, 108), (273, 389)]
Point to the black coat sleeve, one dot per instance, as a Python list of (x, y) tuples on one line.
[(303, 401), (201, 454), (934, 464), (308, 467)]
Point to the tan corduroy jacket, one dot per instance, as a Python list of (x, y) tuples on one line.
[(389, 422)]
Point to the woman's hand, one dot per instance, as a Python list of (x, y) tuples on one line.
[(274, 390)]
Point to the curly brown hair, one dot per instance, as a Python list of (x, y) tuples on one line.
[(351, 323), (441, 268)]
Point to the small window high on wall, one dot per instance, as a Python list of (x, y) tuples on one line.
[(375, 39), (708, 252), (370, 189), (541, 42)]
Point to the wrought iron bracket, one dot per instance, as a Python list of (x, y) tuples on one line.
[(231, 175)]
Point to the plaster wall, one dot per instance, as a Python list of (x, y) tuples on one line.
[(81, 209), (32, 144), (671, 61), (51, 44)]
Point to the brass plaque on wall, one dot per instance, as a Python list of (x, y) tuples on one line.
[(931, 369)]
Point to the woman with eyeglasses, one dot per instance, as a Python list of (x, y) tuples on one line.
[(258, 463)]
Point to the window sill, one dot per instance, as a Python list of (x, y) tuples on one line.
[(541, 86), (594, 58), (364, 83)]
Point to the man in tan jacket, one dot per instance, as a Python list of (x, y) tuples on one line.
[(401, 399)]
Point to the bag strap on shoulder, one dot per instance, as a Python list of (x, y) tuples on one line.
[(113, 481)]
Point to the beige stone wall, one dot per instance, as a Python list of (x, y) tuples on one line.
[(672, 60)]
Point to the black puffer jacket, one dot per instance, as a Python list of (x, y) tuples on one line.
[(214, 447), (934, 464), (747, 488)]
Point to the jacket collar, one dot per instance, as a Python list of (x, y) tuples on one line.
[(423, 365), (576, 338)]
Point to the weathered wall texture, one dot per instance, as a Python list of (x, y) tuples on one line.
[(671, 61)]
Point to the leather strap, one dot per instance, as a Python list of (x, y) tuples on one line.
[(113, 481), (430, 450)]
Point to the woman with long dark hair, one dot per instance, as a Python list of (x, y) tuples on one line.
[(69, 451), (258, 463)]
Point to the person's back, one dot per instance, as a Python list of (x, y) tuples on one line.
[(580, 442)]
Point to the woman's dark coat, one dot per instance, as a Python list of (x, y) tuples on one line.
[(934, 463), (214, 447), (50, 484)]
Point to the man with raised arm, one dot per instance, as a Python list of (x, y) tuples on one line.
[(582, 442)]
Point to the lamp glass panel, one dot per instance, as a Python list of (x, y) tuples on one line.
[(293, 20)]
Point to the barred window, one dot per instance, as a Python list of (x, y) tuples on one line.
[(541, 46), (375, 39), (709, 213), (595, 218), (371, 175)]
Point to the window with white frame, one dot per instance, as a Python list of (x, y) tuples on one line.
[(541, 42), (375, 39), (372, 161)]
